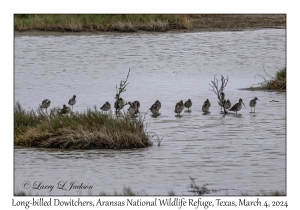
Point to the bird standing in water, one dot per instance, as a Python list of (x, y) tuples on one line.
[(253, 103), (179, 107), (154, 108), (188, 104), (237, 107), (207, 102), (222, 100), (133, 109), (158, 104), (227, 104), (205, 107)]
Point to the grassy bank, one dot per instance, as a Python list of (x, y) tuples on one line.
[(276, 83), (88, 130), (100, 22), (145, 22)]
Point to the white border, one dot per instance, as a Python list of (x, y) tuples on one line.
[(8, 8)]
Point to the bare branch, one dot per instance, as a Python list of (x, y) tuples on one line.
[(215, 88), (121, 89), (267, 73)]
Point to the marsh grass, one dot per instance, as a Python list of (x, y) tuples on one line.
[(277, 83), (88, 130), (264, 193), (211, 22), (196, 189), (101, 22)]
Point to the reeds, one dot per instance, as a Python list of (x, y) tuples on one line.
[(275, 83), (88, 130), (145, 22), (100, 22)]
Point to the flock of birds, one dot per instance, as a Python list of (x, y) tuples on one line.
[(134, 106)]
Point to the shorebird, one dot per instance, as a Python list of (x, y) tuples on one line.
[(207, 102), (72, 101), (227, 104), (253, 103), (133, 109), (222, 100), (105, 107), (137, 104), (154, 108), (179, 107), (237, 107), (45, 104), (158, 104), (119, 104), (188, 104), (65, 110), (205, 107)]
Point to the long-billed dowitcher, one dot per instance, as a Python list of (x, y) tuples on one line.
[(105, 107), (222, 96), (45, 104), (65, 110), (205, 107), (158, 104), (72, 101), (154, 108), (188, 104), (137, 104), (119, 104), (133, 109), (179, 107), (207, 102), (237, 107), (227, 104), (253, 103)]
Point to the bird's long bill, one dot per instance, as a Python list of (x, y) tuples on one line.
[(243, 103)]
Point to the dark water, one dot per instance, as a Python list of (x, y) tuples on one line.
[(242, 153)]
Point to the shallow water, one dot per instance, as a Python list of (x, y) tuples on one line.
[(239, 153)]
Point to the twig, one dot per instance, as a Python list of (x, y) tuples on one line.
[(218, 91), (267, 73)]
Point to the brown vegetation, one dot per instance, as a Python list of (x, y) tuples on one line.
[(88, 130), (138, 22)]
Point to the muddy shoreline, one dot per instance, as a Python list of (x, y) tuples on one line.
[(199, 23)]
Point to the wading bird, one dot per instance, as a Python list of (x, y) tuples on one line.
[(253, 103), (72, 101), (237, 107)]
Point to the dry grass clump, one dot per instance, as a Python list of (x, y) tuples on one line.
[(276, 83), (88, 130)]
